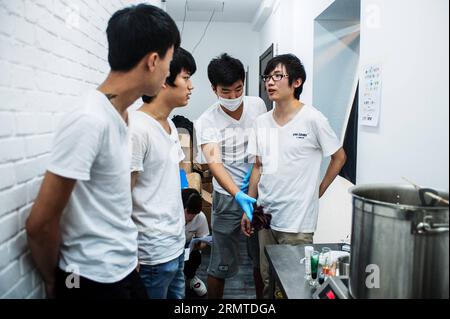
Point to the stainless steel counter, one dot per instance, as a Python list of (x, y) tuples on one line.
[(288, 272)]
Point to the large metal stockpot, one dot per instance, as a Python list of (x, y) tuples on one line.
[(400, 243)]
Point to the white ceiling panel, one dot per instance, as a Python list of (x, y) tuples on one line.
[(201, 10)]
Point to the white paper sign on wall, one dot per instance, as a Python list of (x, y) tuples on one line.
[(370, 102)]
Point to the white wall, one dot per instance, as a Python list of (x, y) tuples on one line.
[(336, 62), (291, 29), (236, 39), (50, 51), (409, 38)]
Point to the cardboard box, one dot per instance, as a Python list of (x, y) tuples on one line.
[(185, 140), (208, 186), (186, 146), (201, 167), (207, 205), (207, 210), (187, 167), (207, 196), (195, 181)]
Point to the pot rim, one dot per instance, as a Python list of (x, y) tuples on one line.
[(403, 207)]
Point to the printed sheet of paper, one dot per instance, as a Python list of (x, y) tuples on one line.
[(371, 95)]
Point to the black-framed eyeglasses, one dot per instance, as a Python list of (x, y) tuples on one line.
[(274, 77)]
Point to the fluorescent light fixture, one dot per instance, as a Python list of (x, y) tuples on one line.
[(205, 5), (263, 13)]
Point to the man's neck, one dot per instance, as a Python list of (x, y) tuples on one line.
[(157, 109), (120, 96), (236, 114), (287, 107)]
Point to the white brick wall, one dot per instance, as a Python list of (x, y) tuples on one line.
[(50, 52)]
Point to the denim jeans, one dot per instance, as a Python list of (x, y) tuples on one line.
[(164, 281)]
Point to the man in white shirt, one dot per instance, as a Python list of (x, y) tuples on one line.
[(196, 227), (289, 143), (80, 231), (157, 205), (222, 134)]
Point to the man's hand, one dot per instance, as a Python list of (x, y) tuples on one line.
[(43, 226), (50, 290), (200, 246), (246, 202), (246, 226)]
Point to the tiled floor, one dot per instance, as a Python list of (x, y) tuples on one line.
[(240, 286)]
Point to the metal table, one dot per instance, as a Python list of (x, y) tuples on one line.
[(286, 269)]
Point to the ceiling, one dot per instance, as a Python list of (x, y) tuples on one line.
[(234, 10)]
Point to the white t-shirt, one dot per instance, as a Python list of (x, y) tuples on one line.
[(157, 204), (197, 227), (98, 234), (215, 126), (291, 157)]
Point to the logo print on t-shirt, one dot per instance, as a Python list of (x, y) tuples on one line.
[(300, 136)]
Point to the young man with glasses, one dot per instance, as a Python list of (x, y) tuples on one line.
[(222, 134), (289, 143)]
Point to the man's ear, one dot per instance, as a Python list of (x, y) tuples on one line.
[(298, 83), (152, 61), (164, 86), (214, 89)]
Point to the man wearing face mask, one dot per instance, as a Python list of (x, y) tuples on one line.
[(222, 134)]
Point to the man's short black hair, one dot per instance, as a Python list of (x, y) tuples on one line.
[(136, 31), (182, 60), (192, 200), (225, 70), (294, 69)]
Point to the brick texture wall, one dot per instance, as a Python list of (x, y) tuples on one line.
[(50, 52)]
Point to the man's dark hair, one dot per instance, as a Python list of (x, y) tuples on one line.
[(136, 31), (225, 70), (182, 60), (192, 200), (294, 69)]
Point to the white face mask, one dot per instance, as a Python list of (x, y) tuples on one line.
[(231, 105)]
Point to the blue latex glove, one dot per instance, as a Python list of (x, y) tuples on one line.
[(183, 179), (246, 180), (246, 202)]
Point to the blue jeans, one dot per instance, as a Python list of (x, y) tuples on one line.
[(164, 281)]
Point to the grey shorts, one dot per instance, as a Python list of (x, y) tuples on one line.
[(226, 228)]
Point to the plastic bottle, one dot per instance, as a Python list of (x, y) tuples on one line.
[(308, 253)]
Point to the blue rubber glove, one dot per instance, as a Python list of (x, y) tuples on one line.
[(246, 180), (246, 202)]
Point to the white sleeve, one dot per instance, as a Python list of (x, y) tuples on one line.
[(77, 143), (203, 229), (326, 137), (262, 107), (139, 148), (205, 133)]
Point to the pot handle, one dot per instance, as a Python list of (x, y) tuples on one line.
[(427, 227), (423, 200)]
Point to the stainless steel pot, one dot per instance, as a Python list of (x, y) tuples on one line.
[(400, 243)]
